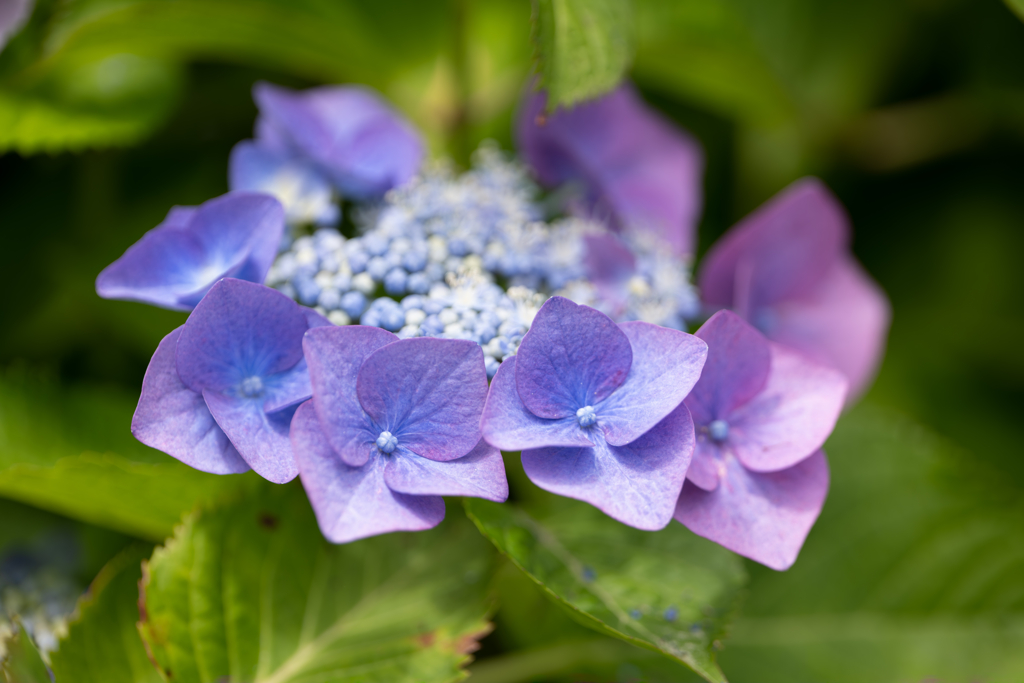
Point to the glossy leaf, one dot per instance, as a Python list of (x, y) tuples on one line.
[(668, 591), (103, 644), (252, 592), (583, 47), (912, 572), (22, 662), (71, 451)]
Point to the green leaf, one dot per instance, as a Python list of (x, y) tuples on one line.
[(103, 644), (252, 592), (583, 47), (668, 591), (71, 451), (914, 570), (22, 662)]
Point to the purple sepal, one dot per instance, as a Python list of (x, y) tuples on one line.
[(573, 356), (792, 415), (786, 268), (508, 425), (480, 473), (666, 366), (351, 135), (334, 355), (261, 438), (637, 168), (763, 516), (176, 263), (307, 196), (428, 392), (174, 419), (353, 502), (636, 484)]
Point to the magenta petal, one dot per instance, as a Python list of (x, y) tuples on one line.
[(780, 251), (842, 322), (666, 365), (334, 355), (737, 367), (428, 392), (508, 425), (763, 516), (635, 165), (240, 329), (480, 474), (706, 466), (573, 356), (174, 419), (260, 438), (353, 502), (636, 484), (791, 417)]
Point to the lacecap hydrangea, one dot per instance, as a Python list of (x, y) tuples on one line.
[(561, 279)]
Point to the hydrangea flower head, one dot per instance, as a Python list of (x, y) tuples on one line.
[(787, 269), (346, 132), (221, 390), (762, 411), (394, 424), (637, 169), (306, 193), (596, 409), (173, 266)]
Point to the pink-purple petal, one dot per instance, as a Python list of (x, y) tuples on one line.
[(480, 474), (334, 355), (260, 438), (737, 367), (791, 417), (174, 419), (843, 322), (508, 425), (706, 465), (666, 366), (637, 168), (636, 484), (353, 502), (763, 516), (573, 356), (781, 250), (239, 330), (428, 392)]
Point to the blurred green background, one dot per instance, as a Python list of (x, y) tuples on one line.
[(911, 110)]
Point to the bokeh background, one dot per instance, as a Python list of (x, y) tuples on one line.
[(912, 111)]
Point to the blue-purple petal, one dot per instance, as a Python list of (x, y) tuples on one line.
[(428, 392), (239, 330), (573, 356), (334, 355), (176, 263), (174, 419), (637, 484), (304, 192), (666, 366), (353, 502), (260, 438), (480, 474), (508, 425)]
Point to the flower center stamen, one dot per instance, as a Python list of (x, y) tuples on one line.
[(251, 387), (586, 416), (718, 430), (387, 442)]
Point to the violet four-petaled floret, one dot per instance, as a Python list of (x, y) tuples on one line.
[(176, 263), (220, 391), (758, 478), (393, 425), (596, 409)]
